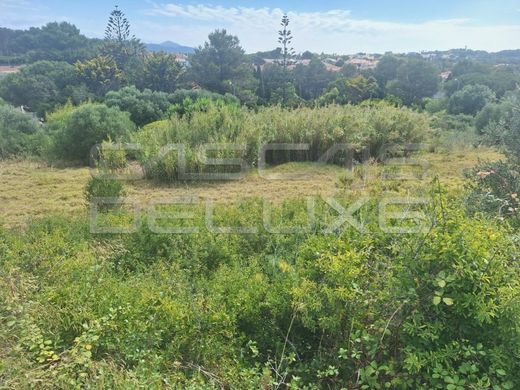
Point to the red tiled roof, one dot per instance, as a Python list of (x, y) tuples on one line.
[(9, 69)]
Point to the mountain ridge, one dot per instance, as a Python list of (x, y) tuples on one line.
[(170, 47)]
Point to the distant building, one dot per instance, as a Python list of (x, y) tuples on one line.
[(363, 63), (182, 59), (329, 63), (5, 69), (291, 64), (333, 68), (445, 75)]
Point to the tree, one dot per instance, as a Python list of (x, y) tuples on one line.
[(52, 42), (311, 80), (118, 28), (17, 131), (496, 112), (470, 100), (284, 39), (221, 66), (271, 78), (354, 90), (144, 107), (161, 72), (41, 86), (119, 43), (100, 74), (511, 137), (77, 131), (500, 79), (285, 96), (386, 69), (307, 55), (495, 185), (415, 80), (349, 70)]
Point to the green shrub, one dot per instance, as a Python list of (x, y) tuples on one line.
[(112, 158), (76, 131), (492, 113), (144, 107), (350, 91), (348, 310), (458, 123), (435, 105), (41, 86), (470, 100), (98, 187), (187, 107), (20, 134), (494, 187), (372, 126), (179, 96)]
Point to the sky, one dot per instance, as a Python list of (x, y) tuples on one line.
[(342, 27)]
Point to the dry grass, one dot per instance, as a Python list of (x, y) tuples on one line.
[(29, 190)]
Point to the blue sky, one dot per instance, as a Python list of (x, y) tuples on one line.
[(335, 26)]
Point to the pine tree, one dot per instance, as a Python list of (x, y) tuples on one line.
[(118, 28), (119, 43), (285, 39)]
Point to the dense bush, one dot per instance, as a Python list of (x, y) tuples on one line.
[(470, 100), (179, 96), (261, 310), (491, 114), (144, 107), (19, 133), (370, 126), (494, 187), (434, 105), (99, 187), (75, 131), (505, 132), (460, 123), (350, 91), (43, 86)]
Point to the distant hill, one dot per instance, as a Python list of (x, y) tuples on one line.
[(169, 47)]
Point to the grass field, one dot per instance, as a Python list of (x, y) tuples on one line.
[(29, 190)]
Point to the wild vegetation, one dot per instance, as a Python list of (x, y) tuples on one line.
[(253, 283)]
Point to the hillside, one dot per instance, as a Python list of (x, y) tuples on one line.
[(169, 47)]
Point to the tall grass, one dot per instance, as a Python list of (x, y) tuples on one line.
[(369, 127)]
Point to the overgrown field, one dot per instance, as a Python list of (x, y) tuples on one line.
[(272, 220), (392, 264), (309, 309)]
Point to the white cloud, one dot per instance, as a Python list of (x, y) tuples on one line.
[(21, 14), (329, 31)]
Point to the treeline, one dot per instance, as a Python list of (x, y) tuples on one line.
[(54, 42), (121, 77), (77, 69)]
